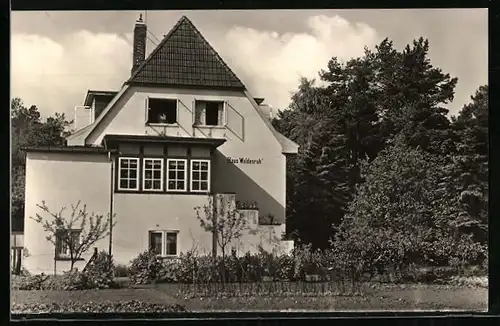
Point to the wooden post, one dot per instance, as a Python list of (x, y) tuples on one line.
[(55, 260), (18, 260)]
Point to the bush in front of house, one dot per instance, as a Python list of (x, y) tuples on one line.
[(97, 275), (95, 307), (121, 270), (30, 283), (145, 268)]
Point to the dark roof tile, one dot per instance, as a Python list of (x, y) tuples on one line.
[(185, 58)]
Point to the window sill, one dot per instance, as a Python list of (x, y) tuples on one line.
[(168, 257), (161, 192), (64, 258), (209, 127), (160, 124)]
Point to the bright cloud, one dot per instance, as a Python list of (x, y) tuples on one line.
[(270, 64)]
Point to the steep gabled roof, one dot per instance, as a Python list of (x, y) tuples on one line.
[(185, 58)]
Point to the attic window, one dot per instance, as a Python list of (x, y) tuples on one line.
[(162, 111), (209, 113)]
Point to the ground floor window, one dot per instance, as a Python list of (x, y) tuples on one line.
[(66, 239), (163, 243)]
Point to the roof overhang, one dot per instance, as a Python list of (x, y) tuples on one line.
[(91, 94), (112, 141), (68, 149), (288, 146)]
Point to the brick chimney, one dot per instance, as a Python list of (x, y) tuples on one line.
[(139, 51)]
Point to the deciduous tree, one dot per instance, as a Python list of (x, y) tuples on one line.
[(91, 228)]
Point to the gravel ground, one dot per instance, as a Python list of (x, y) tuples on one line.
[(389, 297)]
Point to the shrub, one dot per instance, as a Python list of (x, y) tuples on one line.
[(168, 271), (252, 268), (29, 283), (145, 269), (99, 273), (96, 307), (121, 271)]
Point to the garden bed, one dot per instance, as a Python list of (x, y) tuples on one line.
[(165, 296)]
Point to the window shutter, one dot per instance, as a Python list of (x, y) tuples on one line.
[(193, 112), (222, 115), (146, 109), (203, 108), (234, 121)]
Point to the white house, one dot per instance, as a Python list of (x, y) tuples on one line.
[(183, 128)]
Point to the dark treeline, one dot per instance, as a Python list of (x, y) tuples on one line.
[(380, 161)]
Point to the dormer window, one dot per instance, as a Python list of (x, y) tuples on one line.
[(161, 111), (209, 113)]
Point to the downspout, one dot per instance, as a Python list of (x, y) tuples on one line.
[(214, 223), (111, 200)]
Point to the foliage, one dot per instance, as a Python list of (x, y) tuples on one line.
[(29, 130), (121, 271), (99, 272), (145, 268), (92, 228), (363, 105), (96, 276), (96, 307), (30, 283), (396, 219)]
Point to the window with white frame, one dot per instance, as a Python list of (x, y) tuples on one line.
[(66, 239), (176, 175), (200, 175), (128, 176), (163, 243), (152, 178), (209, 113)]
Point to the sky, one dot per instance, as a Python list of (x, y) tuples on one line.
[(57, 56)]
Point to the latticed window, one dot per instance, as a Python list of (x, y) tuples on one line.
[(152, 174), (128, 178), (200, 175), (177, 175)]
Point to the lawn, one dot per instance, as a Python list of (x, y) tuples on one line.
[(376, 297)]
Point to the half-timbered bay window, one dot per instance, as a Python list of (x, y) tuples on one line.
[(176, 175), (152, 178), (157, 165), (163, 243), (200, 175), (128, 176)]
